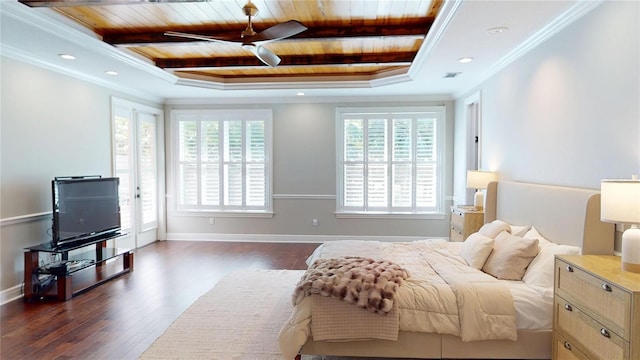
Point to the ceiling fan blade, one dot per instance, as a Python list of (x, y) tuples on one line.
[(279, 31), (199, 37), (267, 56)]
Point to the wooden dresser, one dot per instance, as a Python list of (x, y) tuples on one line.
[(464, 222), (596, 309)]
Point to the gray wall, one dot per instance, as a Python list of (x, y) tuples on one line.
[(51, 125), (567, 112), (304, 165)]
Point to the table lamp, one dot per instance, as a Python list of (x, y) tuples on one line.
[(620, 203), (479, 180)]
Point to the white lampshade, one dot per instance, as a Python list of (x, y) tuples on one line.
[(478, 179), (620, 203)]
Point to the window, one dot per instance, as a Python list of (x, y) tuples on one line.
[(223, 160), (390, 160)]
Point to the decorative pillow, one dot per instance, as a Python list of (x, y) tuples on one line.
[(510, 257), (494, 228), (534, 234), (539, 274), (476, 249), (519, 230)]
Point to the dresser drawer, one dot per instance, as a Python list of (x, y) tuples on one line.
[(455, 235), (564, 349), (605, 302), (457, 220), (464, 222), (596, 339)]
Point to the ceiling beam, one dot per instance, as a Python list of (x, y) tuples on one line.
[(414, 29), (218, 63), (65, 3)]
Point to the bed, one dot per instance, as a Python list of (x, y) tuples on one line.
[(568, 217)]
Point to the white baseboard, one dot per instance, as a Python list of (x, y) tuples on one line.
[(277, 238), (11, 294)]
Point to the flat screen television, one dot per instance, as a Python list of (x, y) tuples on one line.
[(84, 208)]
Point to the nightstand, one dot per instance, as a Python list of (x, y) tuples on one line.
[(464, 222), (596, 309)]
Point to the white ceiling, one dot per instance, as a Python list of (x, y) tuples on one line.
[(39, 35)]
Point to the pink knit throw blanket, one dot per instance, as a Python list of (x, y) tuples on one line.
[(366, 283)]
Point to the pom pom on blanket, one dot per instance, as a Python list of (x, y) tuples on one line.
[(366, 283)]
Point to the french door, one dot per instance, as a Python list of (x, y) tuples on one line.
[(138, 145)]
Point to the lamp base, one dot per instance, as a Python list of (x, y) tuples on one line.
[(478, 200), (631, 249)]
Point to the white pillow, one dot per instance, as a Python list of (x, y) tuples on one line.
[(494, 228), (534, 234), (476, 249), (518, 230), (510, 257), (539, 274)]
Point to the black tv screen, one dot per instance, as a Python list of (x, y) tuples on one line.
[(84, 208)]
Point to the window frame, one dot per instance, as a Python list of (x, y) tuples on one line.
[(437, 111), (222, 115)]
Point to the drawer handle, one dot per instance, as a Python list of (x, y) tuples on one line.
[(569, 268), (604, 332), (568, 307), (567, 345), (606, 287)]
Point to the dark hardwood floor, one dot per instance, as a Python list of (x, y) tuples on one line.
[(121, 318)]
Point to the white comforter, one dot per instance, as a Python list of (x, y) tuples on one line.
[(419, 312)]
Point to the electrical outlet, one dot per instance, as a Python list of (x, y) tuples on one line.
[(314, 222), (212, 221)]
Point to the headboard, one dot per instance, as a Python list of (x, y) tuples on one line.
[(564, 215)]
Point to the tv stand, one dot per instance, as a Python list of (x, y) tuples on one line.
[(72, 274)]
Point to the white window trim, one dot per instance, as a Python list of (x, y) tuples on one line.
[(223, 114), (439, 213)]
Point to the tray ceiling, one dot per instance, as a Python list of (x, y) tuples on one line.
[(344, 40)]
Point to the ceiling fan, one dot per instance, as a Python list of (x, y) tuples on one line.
[(251, 40)]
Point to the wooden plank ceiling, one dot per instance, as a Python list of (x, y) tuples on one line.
[(344, 39)]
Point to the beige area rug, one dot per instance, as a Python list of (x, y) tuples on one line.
[(239, 318)]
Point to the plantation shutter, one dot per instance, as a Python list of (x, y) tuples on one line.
[(389, 161), (222, 160)]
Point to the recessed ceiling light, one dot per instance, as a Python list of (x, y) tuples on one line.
[(497, 30), (465, 60), (111, 72), (67, 56), (300, 94)]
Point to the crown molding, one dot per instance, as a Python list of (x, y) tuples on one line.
[(52, 23), (22, 56), (448, 10), (311, 99), (575, 12)]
